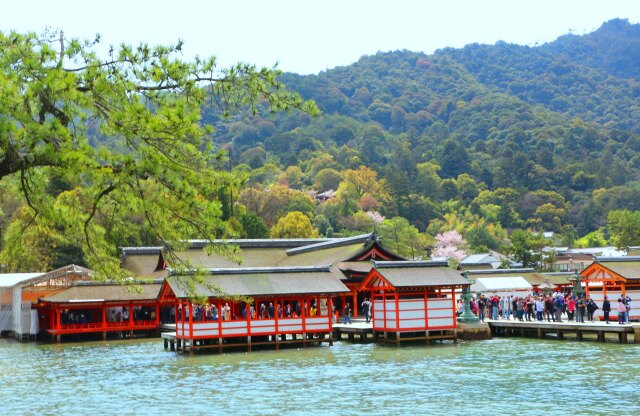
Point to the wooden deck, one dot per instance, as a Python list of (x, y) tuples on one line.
[(360, 331), (174, 343), (542, 329)]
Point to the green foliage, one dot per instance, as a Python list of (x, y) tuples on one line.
[(403, 238), (124, 137), (253, 226), (624, 228), (478, 140), (294, 225), (526, 248)]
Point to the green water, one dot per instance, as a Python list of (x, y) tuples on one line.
[(500, 376)]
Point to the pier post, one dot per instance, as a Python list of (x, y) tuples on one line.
[(601, 336), (166, 343), (540, 333), (249, 343), (559, 334), (579, 335), (623, 337)]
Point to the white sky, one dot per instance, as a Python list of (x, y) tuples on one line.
[(308, 37)]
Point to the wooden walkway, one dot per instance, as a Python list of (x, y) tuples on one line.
[(360, 331), (172, 342), (541, 329)]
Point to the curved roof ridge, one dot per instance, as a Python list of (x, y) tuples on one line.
[(253, 270), (408, 263), (335, 242), (501, 271)]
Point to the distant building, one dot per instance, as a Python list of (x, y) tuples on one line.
[(20, 309), (325, 196), (479, 262), (613, 277), (569, 262), (515, 281)]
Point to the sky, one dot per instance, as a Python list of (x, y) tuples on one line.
[(312, 36)]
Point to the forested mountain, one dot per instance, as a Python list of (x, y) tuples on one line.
[(544, 137), (486, 140)]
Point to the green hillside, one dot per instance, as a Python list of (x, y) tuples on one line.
[(484, 140)]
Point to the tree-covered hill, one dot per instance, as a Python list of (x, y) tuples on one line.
[(485, 140), (563, 117)]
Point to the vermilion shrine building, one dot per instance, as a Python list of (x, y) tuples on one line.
[(613, 277), (412, 299)]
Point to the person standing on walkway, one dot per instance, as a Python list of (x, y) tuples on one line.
[(539, 308), (559, 304), (366, 309), (627, 305), (606, 308), (582, 308), (591, 308), (506, 307), (571, 308), (347, 313), (548, 308), (520, 308), (495, 303), (482, 303), (621, 308)]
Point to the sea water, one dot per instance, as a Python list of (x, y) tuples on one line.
[(496, 377)]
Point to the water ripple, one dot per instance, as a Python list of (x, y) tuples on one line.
[(500, 376)]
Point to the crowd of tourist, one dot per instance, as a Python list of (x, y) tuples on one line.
[(211, 312), (551, 307)]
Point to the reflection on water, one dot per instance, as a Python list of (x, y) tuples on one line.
[(501, 376)]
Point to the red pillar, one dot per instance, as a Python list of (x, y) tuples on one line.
[(190, 319), (305, 305), (354, 294), (247, 308), (397, 298), (453, 306)]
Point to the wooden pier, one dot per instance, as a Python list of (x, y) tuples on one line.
[(363, 332), (173, 343), (541, 329)]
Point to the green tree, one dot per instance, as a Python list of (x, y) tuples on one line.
[(403, 238), (624, 227), (526, 248), (144, 103), (294, 225), (253, 226), (327, 179)]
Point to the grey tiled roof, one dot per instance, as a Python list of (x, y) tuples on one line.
[(419, 274), (262, 282), (105, 292)]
